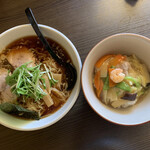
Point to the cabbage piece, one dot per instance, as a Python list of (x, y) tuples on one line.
[(139, 70), (104, 68), (123, 103), (112, 95), (104, 96)]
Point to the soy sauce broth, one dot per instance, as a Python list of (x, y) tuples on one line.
[(34, 42)]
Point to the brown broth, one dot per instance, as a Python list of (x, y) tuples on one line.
[(34, 42)]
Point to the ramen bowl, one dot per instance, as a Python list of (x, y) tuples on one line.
[(17, 32), (125, 43)]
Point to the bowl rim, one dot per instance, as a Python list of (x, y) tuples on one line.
[(109, 37), (78, 83)]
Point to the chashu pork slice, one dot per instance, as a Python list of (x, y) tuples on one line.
[(3, 75), (7, 95), (5, 90), (20, 55)]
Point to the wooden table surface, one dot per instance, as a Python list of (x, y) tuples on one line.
[(85, 23)]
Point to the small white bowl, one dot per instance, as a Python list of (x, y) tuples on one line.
[(26, 30), (125, 43)]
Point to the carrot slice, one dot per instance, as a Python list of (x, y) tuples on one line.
[(101, 60), (111, 83), (116, 60), (100, 89), (97, 80), (98, 83)]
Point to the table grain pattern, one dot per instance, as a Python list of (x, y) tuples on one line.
[(85, 23)]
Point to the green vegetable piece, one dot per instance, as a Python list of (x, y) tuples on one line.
[(106, 83), (19, 111), (112, 67), (142, 92), (134, 80), (124, 86)]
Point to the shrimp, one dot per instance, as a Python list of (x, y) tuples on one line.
[(117, 75)]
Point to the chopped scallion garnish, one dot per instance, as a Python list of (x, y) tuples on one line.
[(28, 82)]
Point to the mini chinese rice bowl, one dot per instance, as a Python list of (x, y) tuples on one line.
[(130, 112)]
